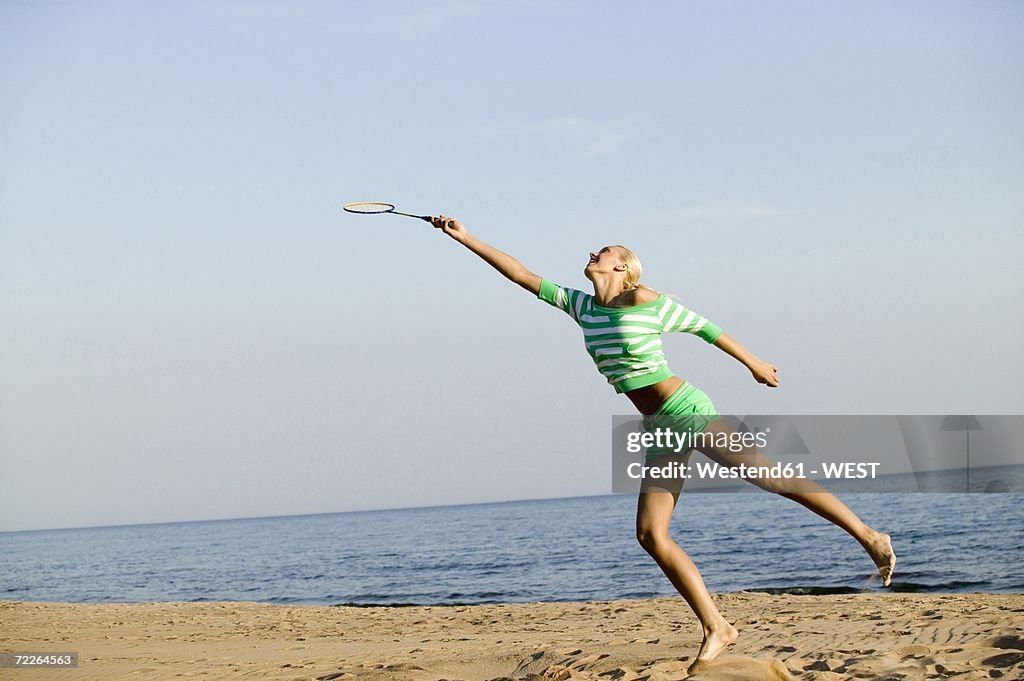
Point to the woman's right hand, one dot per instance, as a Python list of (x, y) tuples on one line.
[(451, 227)]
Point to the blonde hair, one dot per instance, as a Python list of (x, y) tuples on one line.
[(633, 268)]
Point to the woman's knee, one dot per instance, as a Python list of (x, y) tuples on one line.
[(773, 485), (785, 487), (652, 538)]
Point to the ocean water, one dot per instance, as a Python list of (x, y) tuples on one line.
[(525, 551)]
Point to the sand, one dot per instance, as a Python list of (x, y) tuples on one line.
[(870, 636)]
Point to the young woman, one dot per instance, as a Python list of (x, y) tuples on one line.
[(621, 322)]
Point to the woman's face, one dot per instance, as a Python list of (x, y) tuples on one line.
[(602, 261)]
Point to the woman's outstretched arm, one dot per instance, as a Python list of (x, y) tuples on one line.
[(763, 371), (511, 268)]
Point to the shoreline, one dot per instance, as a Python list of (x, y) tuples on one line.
[(814, 637)]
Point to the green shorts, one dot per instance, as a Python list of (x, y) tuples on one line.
[(687, 410)]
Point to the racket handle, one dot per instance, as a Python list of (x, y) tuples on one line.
[(426, 218)]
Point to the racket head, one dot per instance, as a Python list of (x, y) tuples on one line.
[(369, 207)]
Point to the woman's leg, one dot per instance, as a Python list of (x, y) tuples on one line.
[(655, 504), (809, 494)]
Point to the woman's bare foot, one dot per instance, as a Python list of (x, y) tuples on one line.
[(879, 547), (715, 641)]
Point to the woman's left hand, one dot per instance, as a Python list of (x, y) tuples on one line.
[(765, 373)]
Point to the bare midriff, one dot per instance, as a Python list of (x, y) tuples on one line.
[(650, 397)]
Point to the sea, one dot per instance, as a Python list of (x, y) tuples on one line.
[(576, 549)]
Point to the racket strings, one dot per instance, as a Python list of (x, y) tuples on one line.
[(369, 207)]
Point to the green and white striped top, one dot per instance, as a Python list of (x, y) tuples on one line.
[(625, 342)]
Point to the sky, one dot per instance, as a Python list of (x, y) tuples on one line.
[(191, 328)]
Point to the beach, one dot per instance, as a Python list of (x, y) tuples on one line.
[(871, 636)]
